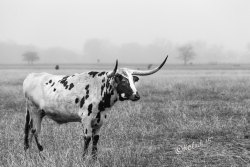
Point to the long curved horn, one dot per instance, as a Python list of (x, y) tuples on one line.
[(111, 74), (149, 72)]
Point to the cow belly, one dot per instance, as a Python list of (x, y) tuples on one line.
[(61, 118)]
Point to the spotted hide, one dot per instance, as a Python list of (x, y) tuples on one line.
[(84, 97)]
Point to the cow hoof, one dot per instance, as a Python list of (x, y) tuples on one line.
[(42, 157), (26, 148), (94, 157), (40, 148)]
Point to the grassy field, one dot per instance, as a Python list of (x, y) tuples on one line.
[(185, 118)]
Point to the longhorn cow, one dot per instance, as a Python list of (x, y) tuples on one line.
[(84, 98)]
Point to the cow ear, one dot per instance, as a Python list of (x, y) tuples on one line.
[(135, 78)]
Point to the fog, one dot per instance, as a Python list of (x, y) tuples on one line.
[(132, 31)]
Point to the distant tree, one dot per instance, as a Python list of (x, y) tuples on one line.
[(186, 53), (149, 66), (57, 67), (93, 49), (100, 51), (30, 57), (248, 47)]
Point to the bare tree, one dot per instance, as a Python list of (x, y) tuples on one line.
[(57, 67), (248, 48), (149, 66), (30, 57), (186, 53)]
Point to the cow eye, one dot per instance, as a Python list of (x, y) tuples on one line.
[(135, 78), (125, 80), (118, 78)]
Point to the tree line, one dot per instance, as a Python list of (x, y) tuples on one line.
[(103, 51), (186, 53)]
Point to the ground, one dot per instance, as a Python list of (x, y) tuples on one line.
[(185, 117)]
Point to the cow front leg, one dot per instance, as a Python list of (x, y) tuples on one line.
[(96, 125), (95, 139), (87, 133), (86, 145)]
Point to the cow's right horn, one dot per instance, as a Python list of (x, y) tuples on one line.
[(111, 74), (148, 72)]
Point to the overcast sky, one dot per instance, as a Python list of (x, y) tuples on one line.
[(69, 23)]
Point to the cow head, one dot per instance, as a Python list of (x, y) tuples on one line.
[(125, 79)]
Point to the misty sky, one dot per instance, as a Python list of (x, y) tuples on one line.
[(69, 23)]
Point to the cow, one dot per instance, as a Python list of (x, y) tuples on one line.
[(84, 98)]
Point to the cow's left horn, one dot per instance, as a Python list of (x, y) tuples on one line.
[(149, 72), (111, 74)]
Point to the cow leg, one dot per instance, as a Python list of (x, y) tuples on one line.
[(38, 116), (86, 145), (95, 139), (96, 125), (87, 132), (29, 123), (27, 129)]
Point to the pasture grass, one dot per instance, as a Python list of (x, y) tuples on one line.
[(208, 109)]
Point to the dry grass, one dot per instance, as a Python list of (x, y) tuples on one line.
[(177, 108)]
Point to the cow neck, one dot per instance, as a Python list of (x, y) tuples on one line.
[(108, 93)]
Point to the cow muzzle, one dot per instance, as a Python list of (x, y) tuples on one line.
[(135, 97)]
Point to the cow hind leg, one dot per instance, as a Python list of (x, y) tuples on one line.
[(39, 146), (33, 126), (38, 116), (27, 130)]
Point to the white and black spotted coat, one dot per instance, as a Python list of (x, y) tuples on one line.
[(77, 98)]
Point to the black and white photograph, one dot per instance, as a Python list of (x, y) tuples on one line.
[(124, 83)]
